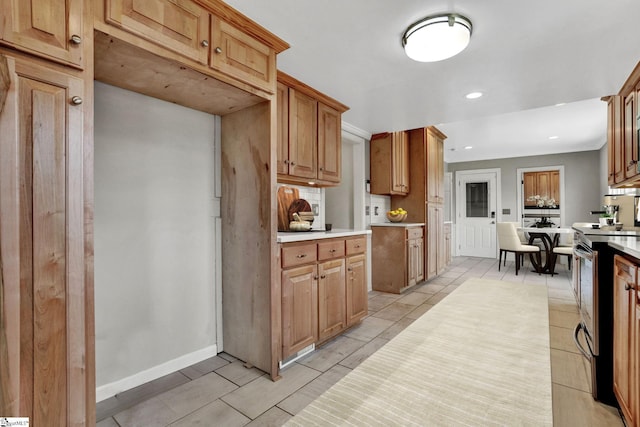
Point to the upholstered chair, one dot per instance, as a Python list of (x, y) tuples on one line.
[(509, 241)]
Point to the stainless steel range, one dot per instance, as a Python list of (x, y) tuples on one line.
[(593, 286)]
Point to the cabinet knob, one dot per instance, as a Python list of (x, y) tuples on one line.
[(301, 256), (349, 269), (628, 287), (323, 276), (76, 100), (332, 250), (321, 169), (293, 163), (218, 49), (285, 161), (204, 43), (75, 39), (315, 277)]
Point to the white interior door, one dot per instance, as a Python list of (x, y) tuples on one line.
[(477, 213)]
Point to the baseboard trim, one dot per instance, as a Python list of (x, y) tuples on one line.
[(109, 390)]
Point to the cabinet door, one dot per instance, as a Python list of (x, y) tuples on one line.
[(419, 248), (331, 298), (625, 279), (241, 56), (299, 308), (630, 137), (554, 186), (357, 295), (50, 28), (530, 188), (412, 262), (303, 142), (178, 25), (435, 168), (46, 345), (400, 166), (615, 138), (329, 143), (543, 181), (434, 233), (283, 129)]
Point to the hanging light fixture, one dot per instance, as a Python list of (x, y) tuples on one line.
[(437, 37)]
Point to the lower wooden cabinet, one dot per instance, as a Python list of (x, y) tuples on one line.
[(324, 290), (447, 244), (332, 298), (626, 342), (398, 259), (299, 308)]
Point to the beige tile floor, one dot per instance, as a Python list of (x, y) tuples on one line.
[(221, 392)]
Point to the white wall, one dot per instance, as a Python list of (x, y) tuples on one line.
[(154, 238)]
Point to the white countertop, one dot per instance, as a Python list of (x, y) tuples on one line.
[(398, 224), (300, 236), (630, 245)]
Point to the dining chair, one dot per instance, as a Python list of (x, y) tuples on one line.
[(560, 250), (509, 241)]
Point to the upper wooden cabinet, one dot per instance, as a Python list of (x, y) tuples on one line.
[(309, 135), (49, 28), (545, 184), (178, 25), (435, 165), (238, 54), (207, 32), (389, 163), (622, 133)]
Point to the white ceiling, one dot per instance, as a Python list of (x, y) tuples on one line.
[(526, 56)]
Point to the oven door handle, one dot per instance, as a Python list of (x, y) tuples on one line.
[(582, 253), (576, 332)]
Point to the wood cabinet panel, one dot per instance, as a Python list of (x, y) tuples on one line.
[(392, 246), (615, 139), (178, 25), (331, 298), (630, 158), (299, 308), (357, 296), (303, 137), (435, 166), (49, 28), (47, 340), (530, 184), (389, 163), (625, 337), (329, 143), (282, 99), (239, 55)]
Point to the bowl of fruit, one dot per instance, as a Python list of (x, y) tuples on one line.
[(397, 215)]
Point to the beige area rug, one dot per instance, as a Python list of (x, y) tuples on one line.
[(480, 357)]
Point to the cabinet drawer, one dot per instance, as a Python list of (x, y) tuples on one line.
[(298, 254), (356, 246), (414, 233), (330, 249)]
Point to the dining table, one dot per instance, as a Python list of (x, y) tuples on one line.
[(550, 238)]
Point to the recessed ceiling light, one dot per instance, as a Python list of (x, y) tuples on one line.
[(473, 95), (560, 104), (468, 147), (554, 137)]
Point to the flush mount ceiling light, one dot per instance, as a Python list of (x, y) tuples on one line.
[(437, 37)]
